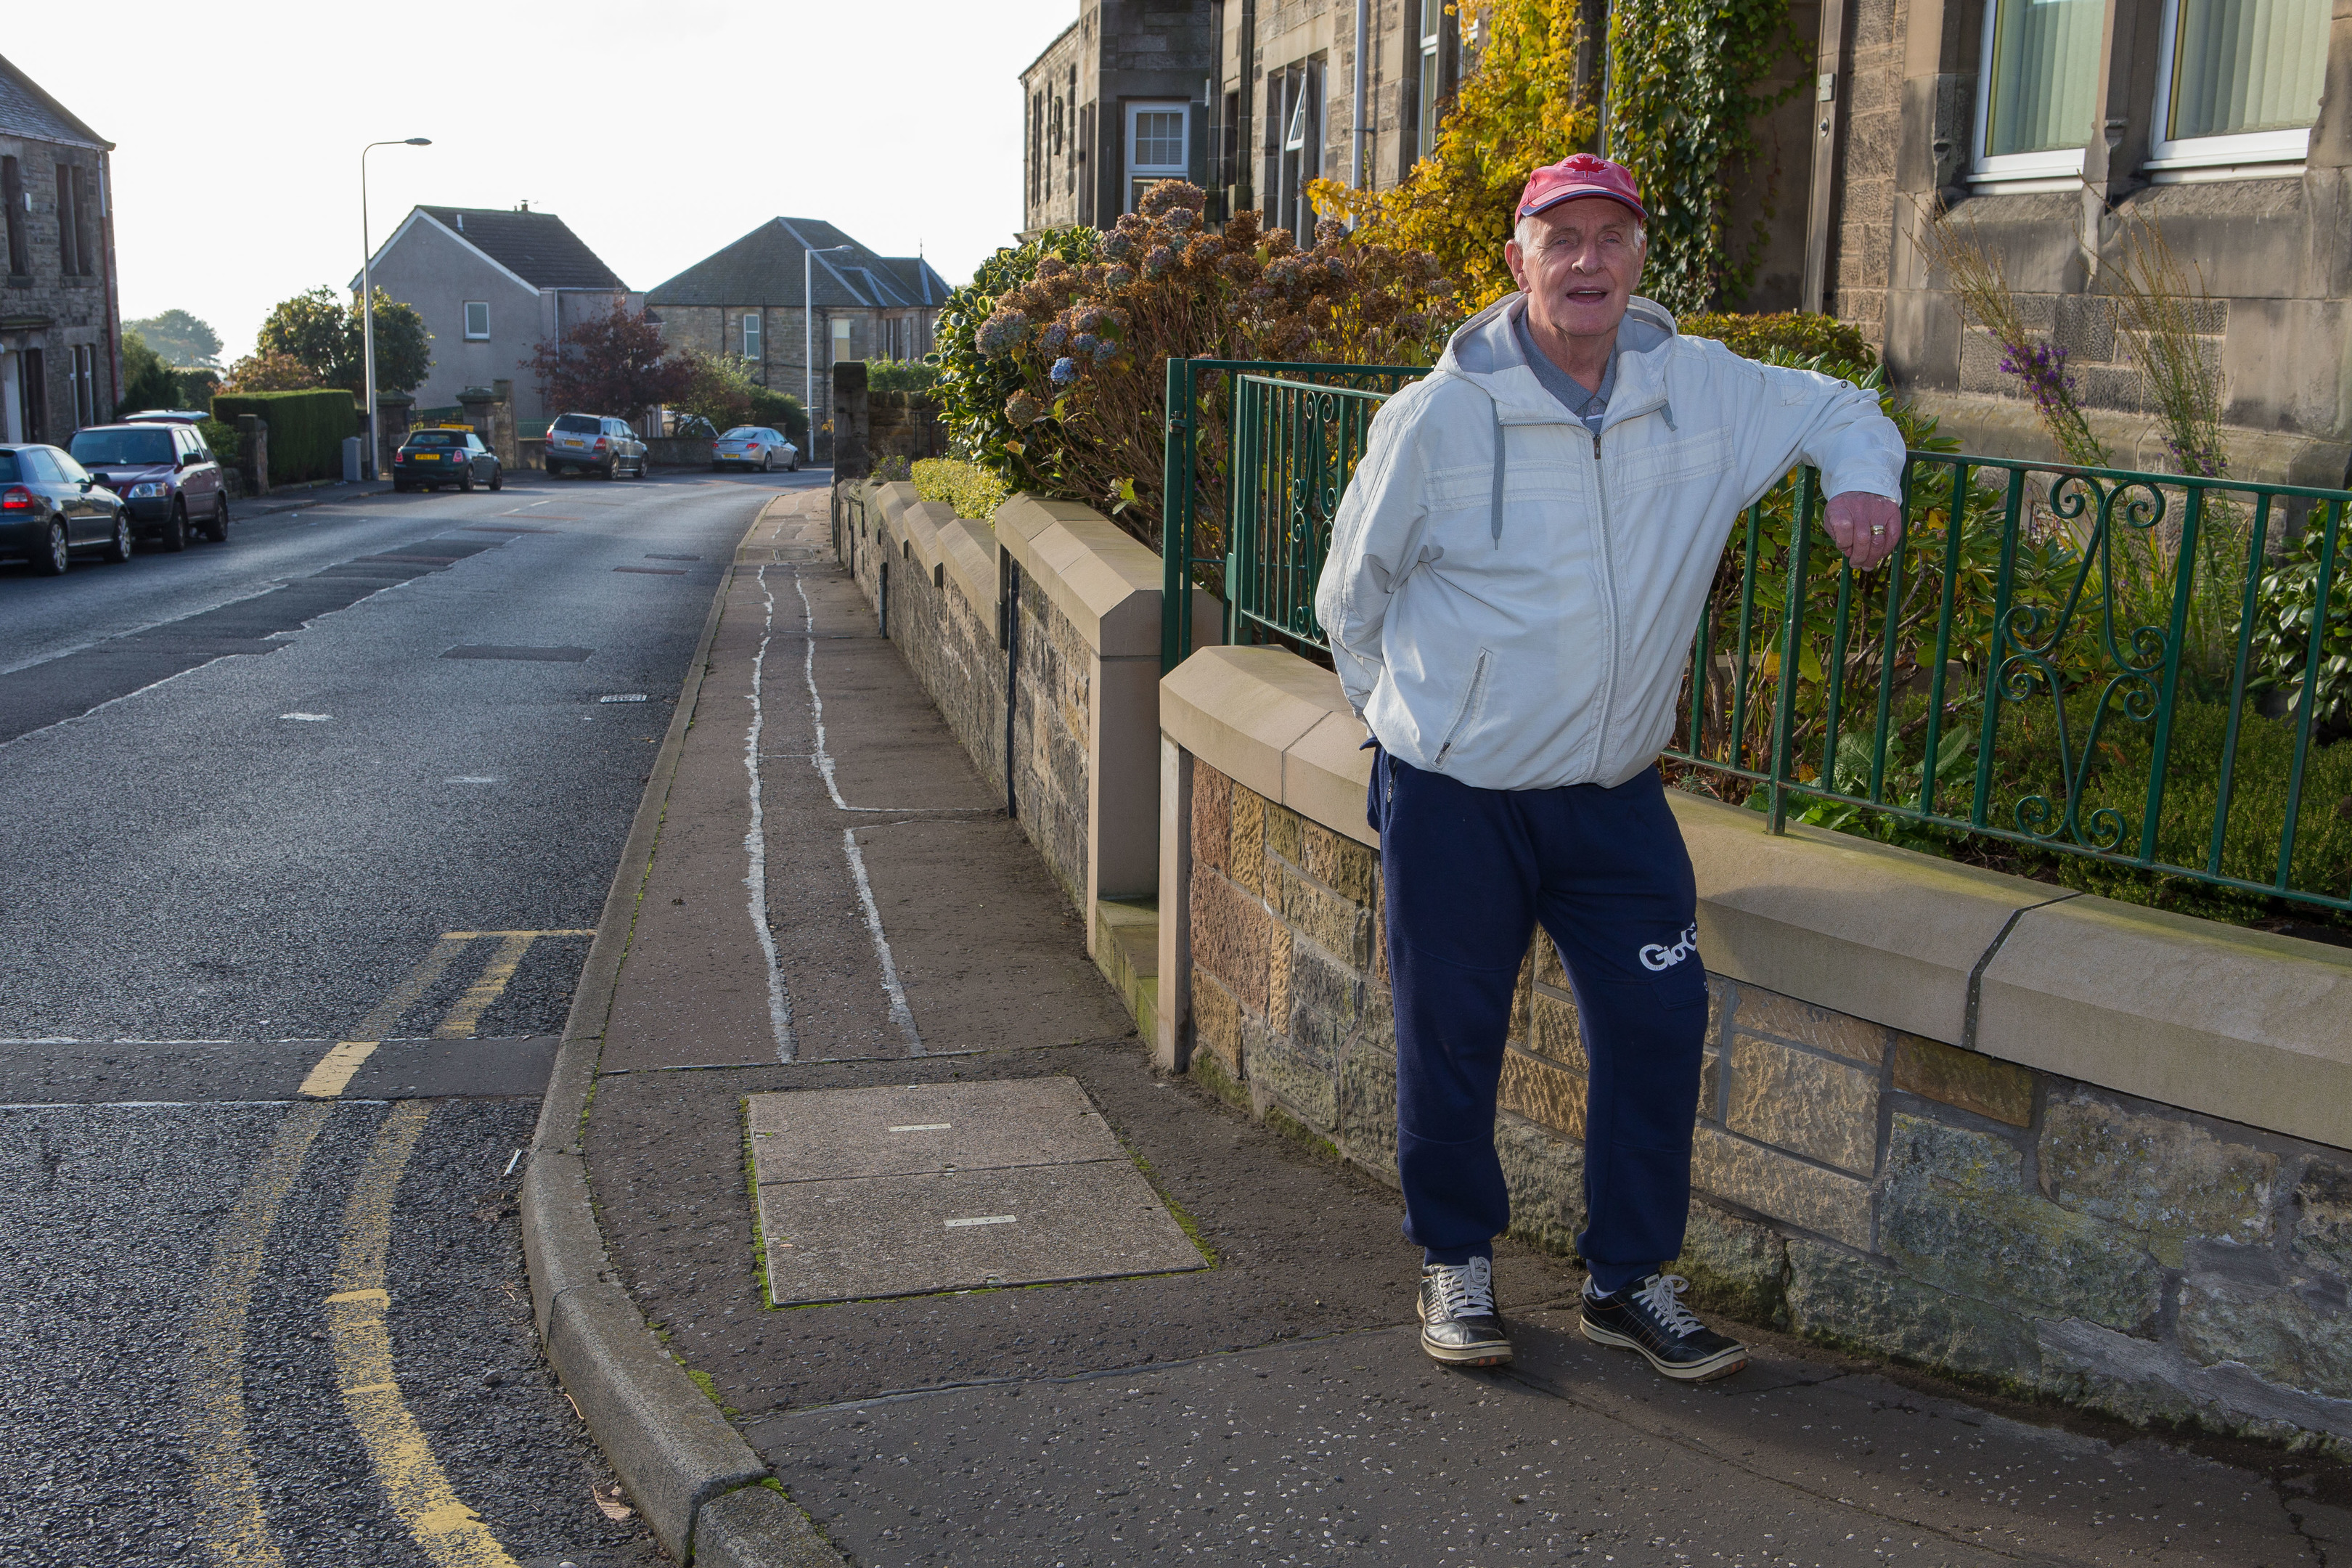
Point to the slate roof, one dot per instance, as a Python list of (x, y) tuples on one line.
[(764, 267), (26, 110), (539, 248)]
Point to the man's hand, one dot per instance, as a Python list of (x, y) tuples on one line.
[(1867, 527)]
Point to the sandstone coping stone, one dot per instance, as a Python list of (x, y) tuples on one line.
[(2238, 1024), (969, 551), (1860, 927), (1243, 710), (1105, 581)]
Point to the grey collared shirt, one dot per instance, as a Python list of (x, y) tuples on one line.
[(1580, 400)]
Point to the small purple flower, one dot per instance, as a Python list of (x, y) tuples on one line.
[(1085, 342), (2042, 367), (1065, 370)]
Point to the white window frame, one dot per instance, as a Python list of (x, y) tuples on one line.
[(2055, 168), (841, 342), (484, 307), (755, 332), (2220, 154), (1432, 55), (1180, 170)]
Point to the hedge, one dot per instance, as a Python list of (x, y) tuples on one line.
[(307, 430), (973, 490)]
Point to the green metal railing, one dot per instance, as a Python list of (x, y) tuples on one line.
[(2096, 663), (1206, 478)]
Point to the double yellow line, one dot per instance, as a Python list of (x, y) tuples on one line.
[(236, 1524), (333, 1073)]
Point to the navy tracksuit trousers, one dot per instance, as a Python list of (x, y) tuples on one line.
[(1469, 873)]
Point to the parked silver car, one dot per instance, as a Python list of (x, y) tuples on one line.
[(754, 446), (594, 443)]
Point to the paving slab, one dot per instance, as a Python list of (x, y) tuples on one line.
[(961, 1230), (829, 1134)]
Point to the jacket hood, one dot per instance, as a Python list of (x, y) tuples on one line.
[(1486, 349)]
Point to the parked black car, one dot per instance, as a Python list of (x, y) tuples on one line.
[(50, 507), (594, 443), (165, 473), (441, 455)]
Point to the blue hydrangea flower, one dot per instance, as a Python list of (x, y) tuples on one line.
[(1065, 370)]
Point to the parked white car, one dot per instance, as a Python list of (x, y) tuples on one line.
[(754, 446)]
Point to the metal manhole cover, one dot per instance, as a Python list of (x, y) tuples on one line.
[(527, 655)]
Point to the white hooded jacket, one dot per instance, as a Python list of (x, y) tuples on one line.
[(1511, 598)]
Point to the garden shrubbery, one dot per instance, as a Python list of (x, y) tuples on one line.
[(973, 490), (1840, 345), (1086, 344), (307, 430)]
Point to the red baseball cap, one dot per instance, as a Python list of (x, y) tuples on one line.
[(1580, 175)]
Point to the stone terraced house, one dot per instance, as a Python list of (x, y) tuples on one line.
[(2052, 126), (747, 299), (60, 315)]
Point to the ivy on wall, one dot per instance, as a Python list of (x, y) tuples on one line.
[(1685, 97)]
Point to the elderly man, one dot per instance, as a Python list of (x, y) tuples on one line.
[(1513, 579)]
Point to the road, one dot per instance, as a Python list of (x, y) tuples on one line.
[(330, 808)]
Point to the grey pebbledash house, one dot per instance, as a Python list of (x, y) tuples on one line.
[(746, 299), (2051, 126), (60, 316), (492, 285)]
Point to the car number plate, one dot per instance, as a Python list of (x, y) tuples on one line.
[(428, 456)]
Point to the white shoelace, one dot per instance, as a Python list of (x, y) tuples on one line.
[(1467, 1290), (1659, 1295)]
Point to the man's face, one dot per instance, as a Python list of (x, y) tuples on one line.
[(1580, 273)]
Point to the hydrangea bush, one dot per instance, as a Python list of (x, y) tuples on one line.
[(1086, 342)]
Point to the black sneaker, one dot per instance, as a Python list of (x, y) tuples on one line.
[(1647, 1318), (1459, 1324)]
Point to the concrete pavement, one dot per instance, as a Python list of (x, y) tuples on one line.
[(828, 899)]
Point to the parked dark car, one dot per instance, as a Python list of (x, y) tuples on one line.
[(165, 473), (167, 416), (594, 443), (445, 455), (51, 507)]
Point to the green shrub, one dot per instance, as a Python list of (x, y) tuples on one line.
[(973, 490), (2290, 594), (1799, 333), (223, 440), (900, 374), (307, 430), (781, 411), (972, 388)]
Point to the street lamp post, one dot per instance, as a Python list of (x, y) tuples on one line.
[(808, 329), (367, 303)]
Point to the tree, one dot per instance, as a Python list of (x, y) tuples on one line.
[(147, 381), (269, 372), (181, 338), (318, 332), (717, 390), (1518, 109), (616, 363)]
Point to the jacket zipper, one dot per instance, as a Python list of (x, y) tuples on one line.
[(1469, 707), (1608, 609)]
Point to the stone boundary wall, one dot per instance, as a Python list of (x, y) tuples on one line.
[(2099, 1156), (1085, 691)]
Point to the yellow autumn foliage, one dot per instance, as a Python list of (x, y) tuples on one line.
[(1516, 110)]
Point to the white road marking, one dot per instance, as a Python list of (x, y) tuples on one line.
[(983, 1219), (473, 778), (924, 1126), (308, 717), (822, 757), (900, 1014), (755, 843)]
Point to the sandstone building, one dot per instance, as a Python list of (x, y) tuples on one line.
[(60, 316), (2054, 127)]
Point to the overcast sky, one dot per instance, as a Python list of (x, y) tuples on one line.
[(659, 131)]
